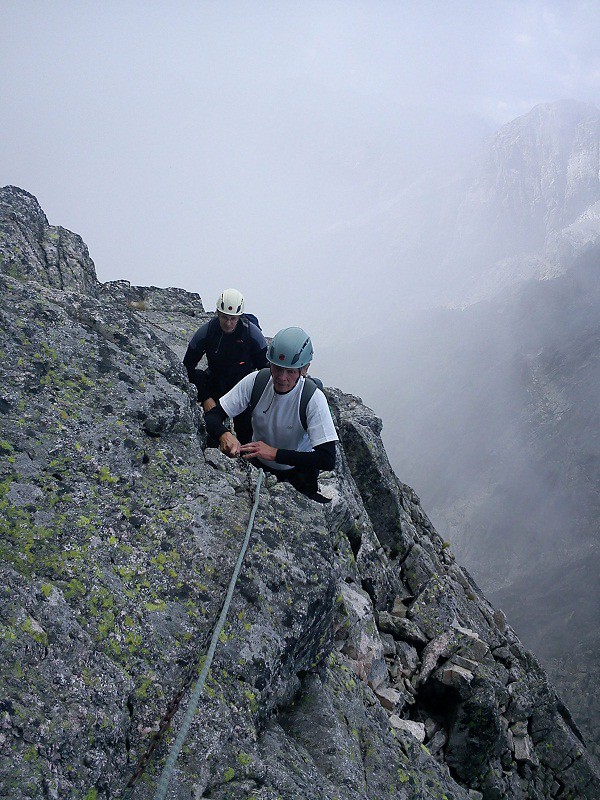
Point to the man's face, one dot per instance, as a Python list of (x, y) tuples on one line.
[(284, 379), (227, 322)]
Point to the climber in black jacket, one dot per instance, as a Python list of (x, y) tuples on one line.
[(234, 347)]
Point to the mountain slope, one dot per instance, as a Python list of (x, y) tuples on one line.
[(530, 205), (491, 407), (353, 636), (493, 416)]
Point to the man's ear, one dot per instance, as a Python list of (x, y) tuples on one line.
[(304, 370)]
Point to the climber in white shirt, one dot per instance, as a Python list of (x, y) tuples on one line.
[(293, 432)]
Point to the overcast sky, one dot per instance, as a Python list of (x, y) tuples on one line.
[(203, 144)]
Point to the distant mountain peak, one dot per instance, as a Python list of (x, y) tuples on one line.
[(535, 178), (567, 110)]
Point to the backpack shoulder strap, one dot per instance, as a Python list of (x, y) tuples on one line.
[(251, 318), (309, 388), (212, 328), (260, 383), (245, 328)]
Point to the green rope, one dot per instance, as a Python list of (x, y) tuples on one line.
[(169, 767)]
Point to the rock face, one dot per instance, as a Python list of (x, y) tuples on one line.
[(30, 248), (492, 411), (533, 199), (359, 661)]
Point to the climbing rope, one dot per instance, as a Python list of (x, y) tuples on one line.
[(169, 767)]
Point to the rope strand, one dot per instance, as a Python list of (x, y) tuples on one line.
[(171, 761)]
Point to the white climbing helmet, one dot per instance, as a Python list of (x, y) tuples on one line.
[(231, 302)]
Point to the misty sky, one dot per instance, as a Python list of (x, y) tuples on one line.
[(214, 144)]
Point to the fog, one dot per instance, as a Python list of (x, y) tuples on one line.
[(270, 146), (328, 160), (310, 155)]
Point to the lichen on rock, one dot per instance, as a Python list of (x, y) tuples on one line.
[(358, 661)]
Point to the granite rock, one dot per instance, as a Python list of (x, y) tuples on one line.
[(119, 537)]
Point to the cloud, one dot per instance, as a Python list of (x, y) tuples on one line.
[(195, 140), (559, 46)]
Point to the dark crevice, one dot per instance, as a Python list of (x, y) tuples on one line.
[(47, 263), (438, 702), (368, 587), (128, 747), (130, 705), (569, 721), (354, 537), (130, 709), (400, 560)]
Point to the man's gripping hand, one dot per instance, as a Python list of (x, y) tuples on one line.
[(229, 445), (259, 450)]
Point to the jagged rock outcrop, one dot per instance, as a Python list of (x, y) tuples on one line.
[(491, 412), (31, 248), (359, 660), (499, 431), (533, 201)]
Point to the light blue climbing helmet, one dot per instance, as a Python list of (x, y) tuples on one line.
[(291, 348)]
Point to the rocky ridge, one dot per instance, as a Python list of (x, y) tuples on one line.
[(532, 203), (359, 660), (491, 412)]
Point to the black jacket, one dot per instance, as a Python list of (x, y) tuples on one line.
[(230, 356)]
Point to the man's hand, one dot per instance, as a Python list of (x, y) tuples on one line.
[(229, 445), (259, 450)]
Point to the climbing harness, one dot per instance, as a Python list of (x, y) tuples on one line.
[(192, 671), (169, 767)]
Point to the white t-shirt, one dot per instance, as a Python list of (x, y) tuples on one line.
[(276, 418)]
